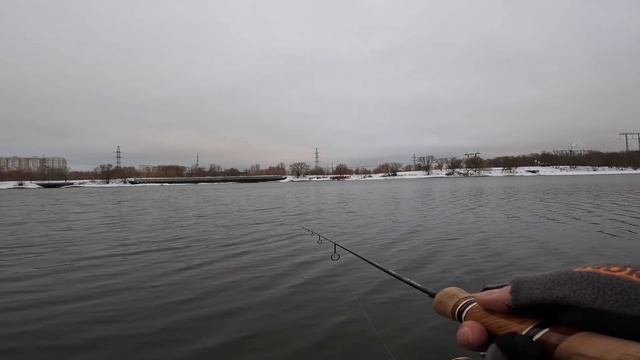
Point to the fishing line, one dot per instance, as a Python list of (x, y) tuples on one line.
[(372, 324)]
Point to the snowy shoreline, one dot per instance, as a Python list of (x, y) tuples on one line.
[(491, 172)]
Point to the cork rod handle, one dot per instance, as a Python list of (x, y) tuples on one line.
[(561, 343)]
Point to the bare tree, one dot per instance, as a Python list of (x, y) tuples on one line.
[(394, 167), (196, 171), (215, 169), (362, 171), (475, 164), (169, 171), (454, 164), (318, 171), (381, 169), (299, 168), (508, 164), (389, 168), (105, 172), (233, 172), (342, 169), (124, 173), (425, 163)]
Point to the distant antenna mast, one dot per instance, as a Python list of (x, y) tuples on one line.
[(317, 154), (118, 157), (197, 160)]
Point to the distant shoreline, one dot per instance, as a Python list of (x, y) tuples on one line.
[(491, 172)]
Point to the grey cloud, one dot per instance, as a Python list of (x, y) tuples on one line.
[(246, 82)]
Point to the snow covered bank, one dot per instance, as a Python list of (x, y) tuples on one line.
[(17, 185), (76, 183), (492, 172)]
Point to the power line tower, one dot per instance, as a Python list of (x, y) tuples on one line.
[(626, 138), (476, 163), (118, 157), (414, 161), (317, 156), (474, 154)]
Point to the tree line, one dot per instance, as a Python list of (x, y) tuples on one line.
[(472, 165), (475, 165), (108, 172), (578, 158)]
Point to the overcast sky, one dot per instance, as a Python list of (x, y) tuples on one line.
[(243, 82)]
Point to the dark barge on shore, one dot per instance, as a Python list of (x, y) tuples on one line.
[(52, 184), (206, 179)]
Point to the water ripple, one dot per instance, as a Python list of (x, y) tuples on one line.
[(225, 272)]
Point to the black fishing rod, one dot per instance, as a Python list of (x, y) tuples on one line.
[(560, 343), (335, 257)]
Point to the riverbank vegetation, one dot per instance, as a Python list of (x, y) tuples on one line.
[(469, 166)]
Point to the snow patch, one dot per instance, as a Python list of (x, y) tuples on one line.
[(491, 172)]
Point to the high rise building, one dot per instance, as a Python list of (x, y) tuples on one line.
[(33, 163)]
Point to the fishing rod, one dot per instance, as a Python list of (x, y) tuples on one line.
[(336, 256), (560, 343)]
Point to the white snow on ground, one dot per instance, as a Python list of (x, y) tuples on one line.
[(522, 171), (76, 183), (14, 184)]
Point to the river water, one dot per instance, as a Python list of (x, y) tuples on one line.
[(225, 272)]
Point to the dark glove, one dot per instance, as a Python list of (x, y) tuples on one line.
[(603, 299)]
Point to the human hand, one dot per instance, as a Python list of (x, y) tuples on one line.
[(472, 335), (598, 298)]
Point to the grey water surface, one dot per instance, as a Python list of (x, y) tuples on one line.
[(225, 272)]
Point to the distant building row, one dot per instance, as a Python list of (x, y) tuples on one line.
[(33, 163)]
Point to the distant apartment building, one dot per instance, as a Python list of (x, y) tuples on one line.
[(34, 163), (146, 169)]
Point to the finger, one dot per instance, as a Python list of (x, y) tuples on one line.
[(498, 300), (472, 336)]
